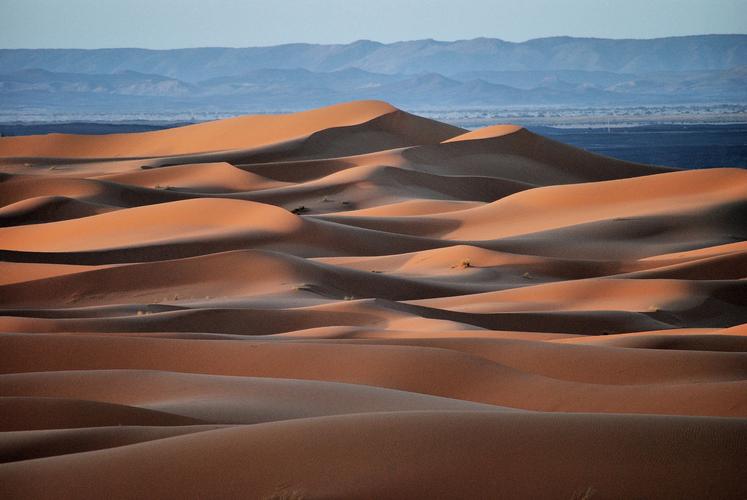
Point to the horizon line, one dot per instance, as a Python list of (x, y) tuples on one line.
[(365, 40)]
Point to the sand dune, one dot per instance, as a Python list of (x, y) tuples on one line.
[(239, 133), (613, 456), (202, 178), (356, 302)]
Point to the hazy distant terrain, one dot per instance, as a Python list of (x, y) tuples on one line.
[(426, 73)]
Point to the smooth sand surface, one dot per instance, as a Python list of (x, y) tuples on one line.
[(356, 302)]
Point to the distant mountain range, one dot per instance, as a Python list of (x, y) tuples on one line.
[(426, 73)]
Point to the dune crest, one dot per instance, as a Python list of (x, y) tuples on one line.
[(490, 132), (356, 302), (242, 132)]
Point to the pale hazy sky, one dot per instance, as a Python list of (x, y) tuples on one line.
[(237, 23)]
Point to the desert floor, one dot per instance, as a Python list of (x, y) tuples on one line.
[(356, 302)]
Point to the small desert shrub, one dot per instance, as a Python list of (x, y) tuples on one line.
[(299, 210), (463, 264)]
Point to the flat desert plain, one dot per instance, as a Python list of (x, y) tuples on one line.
[(357, 302)]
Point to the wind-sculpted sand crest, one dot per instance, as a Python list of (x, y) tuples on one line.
[(357, 302)]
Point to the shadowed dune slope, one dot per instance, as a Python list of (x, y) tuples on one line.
[(234, 133), (356, 302)]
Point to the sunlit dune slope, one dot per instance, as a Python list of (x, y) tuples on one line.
[(356, 302)]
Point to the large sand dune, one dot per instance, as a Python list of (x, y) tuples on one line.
[(356, 302)]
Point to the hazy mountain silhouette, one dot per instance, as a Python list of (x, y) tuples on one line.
[(479, 72)]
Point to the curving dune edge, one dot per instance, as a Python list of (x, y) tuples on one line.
[(357, 302)]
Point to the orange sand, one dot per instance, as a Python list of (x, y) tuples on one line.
[(356, 302)]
